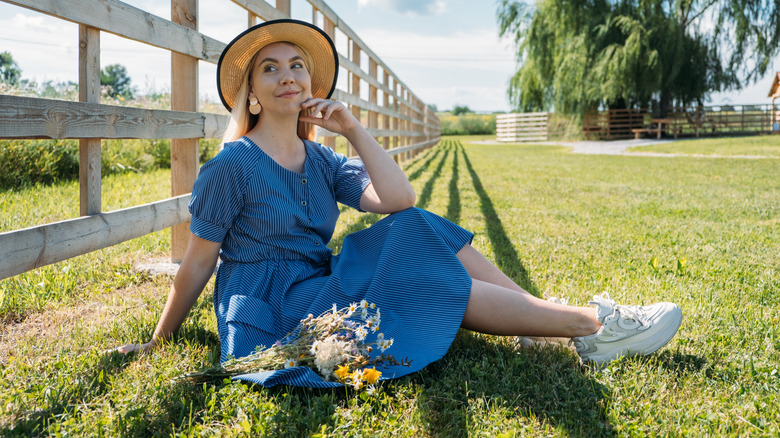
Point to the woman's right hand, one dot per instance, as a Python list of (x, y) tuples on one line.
[(134, 348), (195, 271)]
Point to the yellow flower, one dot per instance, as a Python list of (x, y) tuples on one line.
[(371, 375), (342, 372)]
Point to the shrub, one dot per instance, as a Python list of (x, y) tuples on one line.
[(29, 162), (468, 124), (37, 161)]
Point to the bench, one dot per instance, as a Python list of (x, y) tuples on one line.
[(638, 132)]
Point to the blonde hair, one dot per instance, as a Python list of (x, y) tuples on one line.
[(242, 121)]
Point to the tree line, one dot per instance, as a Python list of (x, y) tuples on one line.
[(579, 55), (113, 78)]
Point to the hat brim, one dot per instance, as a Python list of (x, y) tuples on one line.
[(239, 53)]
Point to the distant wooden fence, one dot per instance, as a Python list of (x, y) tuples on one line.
[(400, 121), (520, 127), (681, 122)]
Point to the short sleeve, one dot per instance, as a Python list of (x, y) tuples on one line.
[(350, 181), (217, 199)]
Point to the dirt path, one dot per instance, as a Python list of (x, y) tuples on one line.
[(50, 329), (621, 147)]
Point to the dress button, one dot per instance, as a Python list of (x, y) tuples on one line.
[(303, 181), (303, 203), (317, 243)]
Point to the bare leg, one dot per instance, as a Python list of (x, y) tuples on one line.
[(480, 268), (491, 310), (498, 310)]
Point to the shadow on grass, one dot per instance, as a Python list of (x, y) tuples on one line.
[(477, 381), (367, 219), (427, 190), (65, 396), (432, 156), (453, 208), (284, 411), (507, 259), (490, 381), (62, 397)]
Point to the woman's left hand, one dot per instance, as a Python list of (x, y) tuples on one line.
[(330, 115)]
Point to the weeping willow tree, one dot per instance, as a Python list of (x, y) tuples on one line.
[(579, 55)]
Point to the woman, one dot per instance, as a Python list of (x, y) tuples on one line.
[(267, 206)]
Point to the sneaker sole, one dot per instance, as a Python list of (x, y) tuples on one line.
[(651, 343)]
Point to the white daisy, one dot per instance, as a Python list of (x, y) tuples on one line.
[(360, 333)]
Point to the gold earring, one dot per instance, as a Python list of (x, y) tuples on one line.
[(254, 106)]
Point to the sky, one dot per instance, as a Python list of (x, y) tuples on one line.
[(447, 52)]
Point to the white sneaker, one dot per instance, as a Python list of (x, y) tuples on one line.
[(628, 330)]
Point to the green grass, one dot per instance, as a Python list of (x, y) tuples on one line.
[(756, 146), (700, 232)]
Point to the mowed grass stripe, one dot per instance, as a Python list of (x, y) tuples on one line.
[(701, 232)]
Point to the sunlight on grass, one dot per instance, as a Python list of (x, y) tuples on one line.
[(757, 146), (700, 232)]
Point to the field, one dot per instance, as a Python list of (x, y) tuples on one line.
[(761, 146), (700, 231)]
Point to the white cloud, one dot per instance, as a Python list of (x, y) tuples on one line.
[(28, 23)]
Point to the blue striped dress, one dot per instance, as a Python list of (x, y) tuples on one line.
[(274, 226)]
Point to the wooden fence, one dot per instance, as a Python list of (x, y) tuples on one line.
[(520, 127), (680, 122), (400, 121)]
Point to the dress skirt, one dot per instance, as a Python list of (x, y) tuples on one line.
[(405, 263)]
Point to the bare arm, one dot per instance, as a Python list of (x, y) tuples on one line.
[(194, 273), (389, 190)]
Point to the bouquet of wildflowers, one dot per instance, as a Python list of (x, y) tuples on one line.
[(332, 344)]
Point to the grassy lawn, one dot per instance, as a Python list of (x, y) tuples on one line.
[(761, 146), (700, 232)]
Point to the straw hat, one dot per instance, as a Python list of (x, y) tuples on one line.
[(239, 53)]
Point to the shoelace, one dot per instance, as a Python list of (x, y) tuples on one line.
[(556, 300), (637, 313)]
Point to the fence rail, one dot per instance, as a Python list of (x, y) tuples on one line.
[(400, 121), (520, 127), (681, 122)]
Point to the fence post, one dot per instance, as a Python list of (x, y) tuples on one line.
[(386, 105), (184, 97), (396, 120), (355, 87), (405, 122), (743, 119), (330, 28), (419, 129), (89, 148), (373, 116), (284, 7)]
